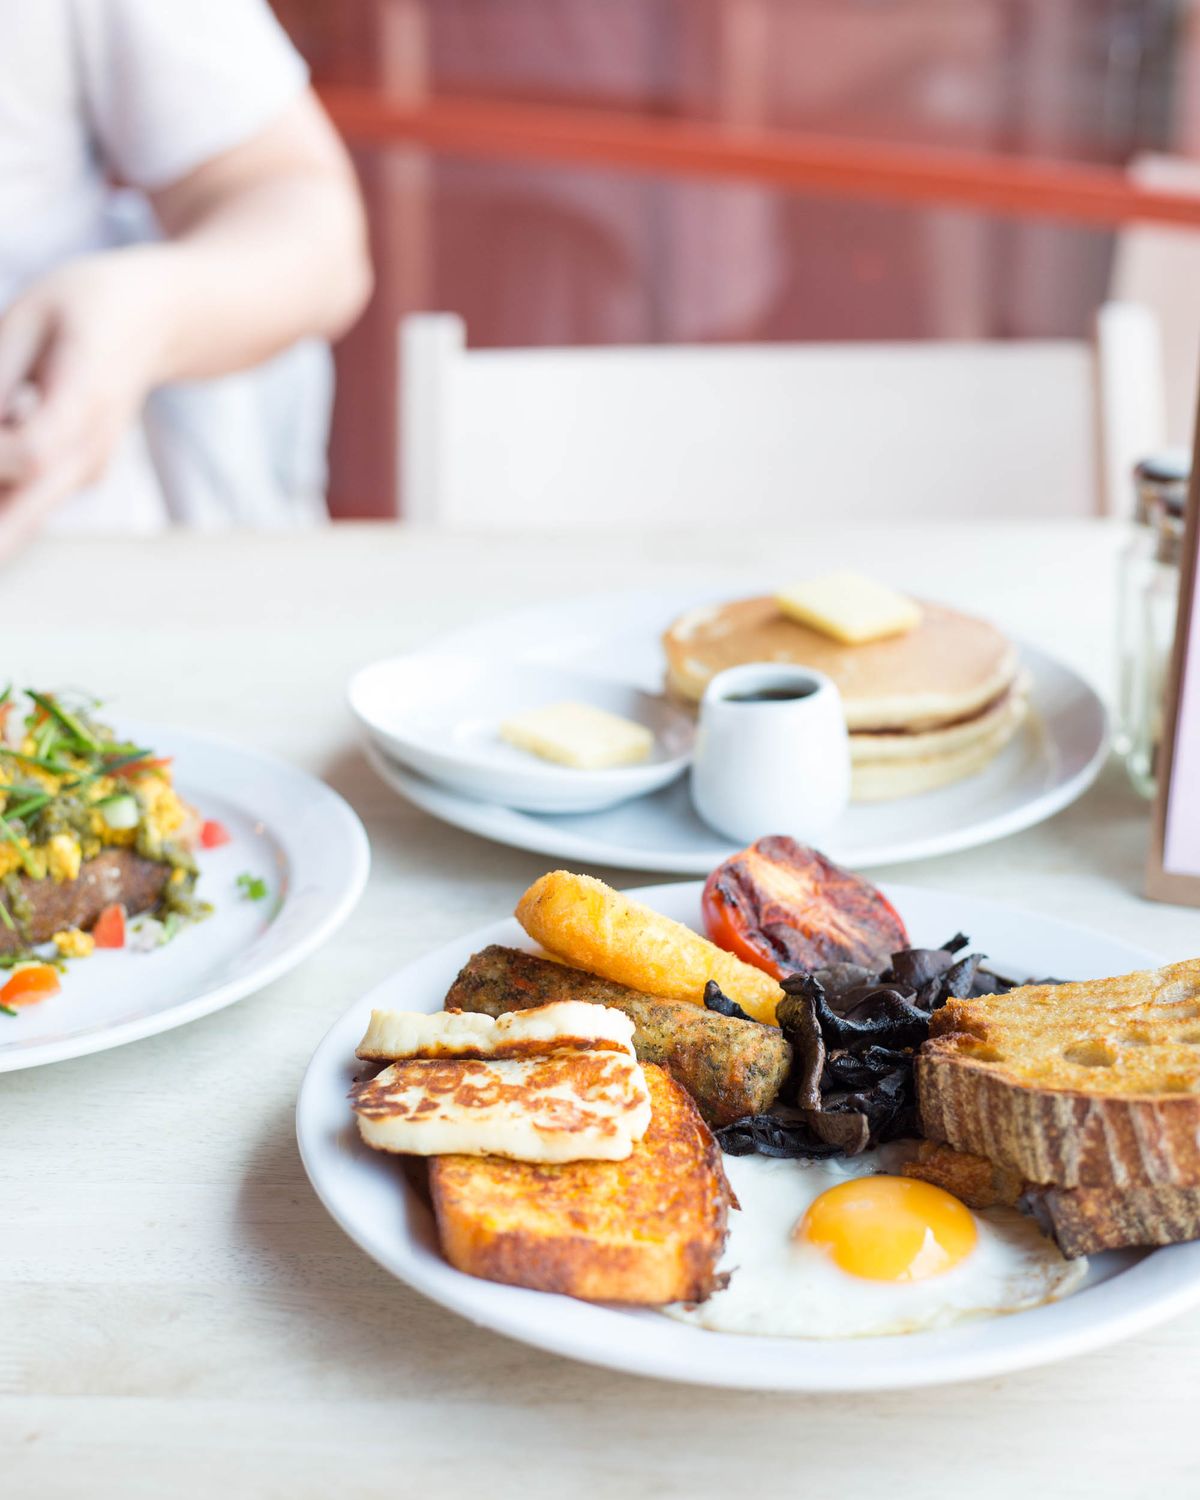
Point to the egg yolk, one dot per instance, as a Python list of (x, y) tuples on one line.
[(889, 1228)]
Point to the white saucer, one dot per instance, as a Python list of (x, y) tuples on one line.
[(371, 1198), (440, 714), (289, 830)]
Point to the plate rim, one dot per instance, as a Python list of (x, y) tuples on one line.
[(210, 1000), (1176, 1268)]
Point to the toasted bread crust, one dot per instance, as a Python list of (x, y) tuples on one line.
[(646, 1230), (978, 1182), (1062, 1137), (1084, 1221), (1093, 1084), (1133, 1035), (1081, 1221)]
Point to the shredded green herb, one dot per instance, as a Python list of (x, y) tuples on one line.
[(252, 887), (43, 762), (8, 1010), (6, 918), (127, 756), (74, 727), (31, 803)]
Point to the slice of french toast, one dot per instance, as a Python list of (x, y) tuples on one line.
[(647, 1230), (1094, 1084), (1081, 1221)]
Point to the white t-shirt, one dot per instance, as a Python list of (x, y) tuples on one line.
[(140, 92)]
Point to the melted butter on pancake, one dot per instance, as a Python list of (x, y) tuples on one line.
[(949, 666)]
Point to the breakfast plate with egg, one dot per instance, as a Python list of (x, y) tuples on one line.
[(773, 1220), (957, 734), (151, 875)]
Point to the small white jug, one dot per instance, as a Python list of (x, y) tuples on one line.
[(772, 754)]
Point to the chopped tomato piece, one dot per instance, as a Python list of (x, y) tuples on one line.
[(29, 985), (109, 929), (147, 763), (214, 834)]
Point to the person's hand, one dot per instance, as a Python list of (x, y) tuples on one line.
[(79, 353)]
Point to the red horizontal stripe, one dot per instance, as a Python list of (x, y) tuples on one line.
[(815, 165)]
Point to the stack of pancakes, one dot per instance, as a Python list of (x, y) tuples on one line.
[(923, 709)]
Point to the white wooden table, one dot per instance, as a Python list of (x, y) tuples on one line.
[(179, 1317)]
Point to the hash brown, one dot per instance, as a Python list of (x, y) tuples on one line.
[(730, 1067)]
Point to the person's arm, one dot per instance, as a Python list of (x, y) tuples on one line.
[(265, 244)]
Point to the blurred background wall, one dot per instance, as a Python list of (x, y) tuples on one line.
[(532, 250)]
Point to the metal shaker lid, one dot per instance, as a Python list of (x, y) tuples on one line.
[(1161, 482)]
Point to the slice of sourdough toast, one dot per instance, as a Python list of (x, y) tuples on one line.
[(1084, 1221), (1073, 1085), (1081, 1221), (647, 1230)]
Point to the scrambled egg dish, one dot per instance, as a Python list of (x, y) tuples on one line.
[(70, 789)]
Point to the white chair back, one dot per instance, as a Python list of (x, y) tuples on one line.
[(597, 438), (1157, 267)]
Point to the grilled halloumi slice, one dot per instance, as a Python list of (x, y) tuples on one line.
[(561, 1026), (572, 1106)]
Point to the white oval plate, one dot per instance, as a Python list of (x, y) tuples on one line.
[(1051, 762), (369, 1195), (440, 713), (289, 829)]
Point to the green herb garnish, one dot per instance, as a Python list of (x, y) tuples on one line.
[(33, 802), (6, 918), (252, 887), (74, 727), (129, 754), (46, 737), (8, 1010), (43, 762)]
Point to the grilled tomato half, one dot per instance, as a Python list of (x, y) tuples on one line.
[(784, 908)]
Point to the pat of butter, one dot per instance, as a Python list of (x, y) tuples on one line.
[(579, 735), (850, 608)]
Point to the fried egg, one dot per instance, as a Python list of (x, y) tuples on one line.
[(847, 1249)]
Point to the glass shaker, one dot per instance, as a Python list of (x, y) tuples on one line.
[(1147, 605)]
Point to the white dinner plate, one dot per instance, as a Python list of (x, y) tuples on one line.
[(289, 829), (370, 1197), (440, 713), (1052, 760)]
